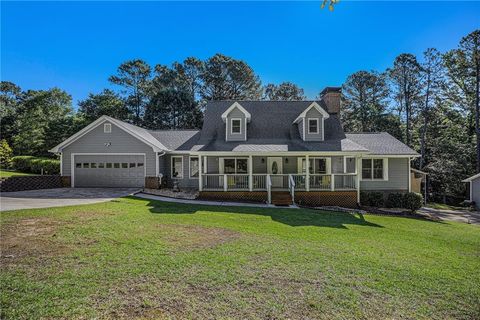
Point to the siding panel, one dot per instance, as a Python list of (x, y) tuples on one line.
[(397, 177)]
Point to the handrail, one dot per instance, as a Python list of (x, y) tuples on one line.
[(269, 189), (291, 187)]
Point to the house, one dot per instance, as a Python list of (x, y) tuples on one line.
[(474, 182), (250, 150)]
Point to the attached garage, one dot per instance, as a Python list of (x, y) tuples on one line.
[(104, 170)]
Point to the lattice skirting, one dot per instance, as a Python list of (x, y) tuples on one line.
[(246, 196), (347, 199)]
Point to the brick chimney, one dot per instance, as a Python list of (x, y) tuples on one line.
[(331, 96)]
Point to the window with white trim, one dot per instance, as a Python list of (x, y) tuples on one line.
[(194, 167), (107, 128), (234, 166), (236, 126), (177, 167), (374, 169), (350, 165), (313, 126)]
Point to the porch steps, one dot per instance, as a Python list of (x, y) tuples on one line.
[(281, 198)]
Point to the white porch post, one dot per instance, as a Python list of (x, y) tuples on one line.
[(307, 173), (225, 182), (250, 173), (409, 175), (200, 173), (358, 170)]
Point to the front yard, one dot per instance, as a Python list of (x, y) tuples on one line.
[(8, 174), (135, 258)]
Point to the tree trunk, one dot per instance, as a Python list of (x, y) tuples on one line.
[(477, 110), (425, 125)]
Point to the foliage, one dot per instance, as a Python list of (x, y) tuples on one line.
[(372, 198), (286, 91), (35, 165), (105, 103), (5, 154), (9, 173), (395, 200), (412, 201), (10, 95)]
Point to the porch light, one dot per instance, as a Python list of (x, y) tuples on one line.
[(286, 160), (263, 160)]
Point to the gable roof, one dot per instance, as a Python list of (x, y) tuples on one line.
[(472, 178), (381, 143), (316, 106), (137, 132), (237, 105)]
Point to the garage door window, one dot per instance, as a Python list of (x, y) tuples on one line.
[(93, 165), (124, 165), (86, 165), (109, 165), (177, 167), (140, 164), (116, 165), (101, 165), (132, 164), (78, 165)]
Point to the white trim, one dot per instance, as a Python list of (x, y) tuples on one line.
[(107, 127), (409, 176), (345, 164), (231, 126), (472, 178), (61, 164), (304, 130), (384, 166), (95, 124), (313, 105), (471, 190), (248, 116), (72, 161), (171, 167), (189, 168), (318, 124)]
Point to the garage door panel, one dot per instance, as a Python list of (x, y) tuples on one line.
[(116, 171)]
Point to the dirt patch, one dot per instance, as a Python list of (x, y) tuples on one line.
[(190, 237), (30, 237)]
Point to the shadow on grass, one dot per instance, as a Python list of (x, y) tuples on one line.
[(291, 217)]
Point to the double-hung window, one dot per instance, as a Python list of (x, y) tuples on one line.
[(236, 126), (313, 126), (177, 167), (194, 167), (374, 169), (235, 166)]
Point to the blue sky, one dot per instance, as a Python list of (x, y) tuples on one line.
[(77, 45)]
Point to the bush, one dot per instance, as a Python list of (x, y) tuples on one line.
[(5, 154), (395, 200), (35, 165), (371, 199), (412, 201)]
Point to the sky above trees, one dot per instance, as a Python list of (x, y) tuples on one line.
[(77, 46)]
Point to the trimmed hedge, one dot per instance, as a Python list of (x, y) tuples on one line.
[(410, 200), (372, 199), (32, 164)]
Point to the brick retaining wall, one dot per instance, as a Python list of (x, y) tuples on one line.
[(22, 183)]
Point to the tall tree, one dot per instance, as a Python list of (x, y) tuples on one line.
[(364, 101), (135, 78), (286, 91), (105, 103), (190, 72), (226, 78), (10, 97), (432, 80), (405, 76)]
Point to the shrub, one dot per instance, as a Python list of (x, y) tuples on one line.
[(395, 200), (412, 201), (372, 199), (5, 154), (36, 165)]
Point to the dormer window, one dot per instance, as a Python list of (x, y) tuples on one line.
[(236, 126), (313, 126)]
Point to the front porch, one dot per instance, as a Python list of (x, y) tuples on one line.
[(274, 174)]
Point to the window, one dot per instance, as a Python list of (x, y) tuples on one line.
[(313, 126), (140, 164), (316, 166), (320, 166), (109, 165), (107, 128), (86, 165), (235, 166), (101, 165), (236, 126), (349, 165), (93, 165), (132, 164), (78, 165), (116, 165), (194, 167), (374, 169), (177, 167), (124, 165)]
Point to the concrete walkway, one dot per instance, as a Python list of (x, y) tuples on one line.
[(46, 198), (208, 203), (452, 215)]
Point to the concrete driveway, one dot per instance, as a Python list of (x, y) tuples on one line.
[(465, 216), (46, 198)]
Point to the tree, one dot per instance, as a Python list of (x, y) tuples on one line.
[(135, 78), (405, 76), (5, 154), (364, 101), (43, 120), (226, 78), (10, 97), (105, 103), (432, 80), (463, 71), (287, 91)]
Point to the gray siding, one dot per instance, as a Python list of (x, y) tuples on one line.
[(185, 181), (313, 113), (475, 185), (120, 142), (397, 177), (236, 113), (300, 128)]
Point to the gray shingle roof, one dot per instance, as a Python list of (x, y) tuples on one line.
[(177, 139), (381, 143)]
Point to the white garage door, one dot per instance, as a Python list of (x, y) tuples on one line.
[(109, 170)]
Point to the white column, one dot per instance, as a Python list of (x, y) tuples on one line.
[(358, 170), (225, 182), (200, 173), (307, 173), (409, 176), (250, 173)]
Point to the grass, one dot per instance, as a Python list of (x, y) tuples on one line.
[(8, 174), (442, 206), (135, 258)]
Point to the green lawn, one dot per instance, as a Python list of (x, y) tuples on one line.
[(8, 174), (136, 258)]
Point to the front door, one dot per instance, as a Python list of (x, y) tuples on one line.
[(275, 169)]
